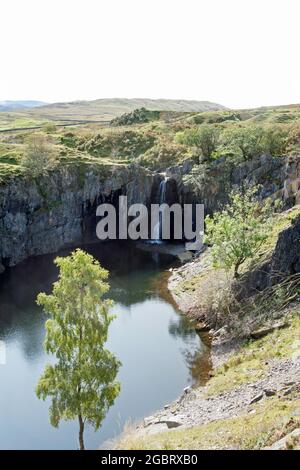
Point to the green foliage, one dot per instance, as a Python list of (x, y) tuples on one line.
[(243, 141), (293, 140), (116, 144), (140, 115), (237, 231), (231, 134), (274, 140), (49, 128), (253, 140), (82, 382), (69, 139), (9, 162), (216, 117), (13, 120), (162, 155), (198, 178), (204, 138), (199, 118), (40, 155)]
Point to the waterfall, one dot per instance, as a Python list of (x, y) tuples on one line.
[(162, 199)]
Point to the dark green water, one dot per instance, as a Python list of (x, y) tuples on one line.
[(160, 352)]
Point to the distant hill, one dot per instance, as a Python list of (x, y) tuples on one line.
[(107, 109), (19, 105)]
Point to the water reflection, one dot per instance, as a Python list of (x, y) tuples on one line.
[(160, 351), (197, 360), (182, 327)]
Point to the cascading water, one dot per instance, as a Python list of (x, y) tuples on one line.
[(162, 199)]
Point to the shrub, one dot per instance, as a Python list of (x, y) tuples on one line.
[(140, 115), (216, 302), (128, 144), (237, 232), (253, 140), (70, 139), (162, 155), (49, 128), (293, 139), (199, 119), (203, 138), (245, 142), (198, 178), (274, 140)]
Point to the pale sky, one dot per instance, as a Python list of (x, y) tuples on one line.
[(240, 53)]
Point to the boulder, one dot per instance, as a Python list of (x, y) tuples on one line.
[(290, 441), (257, 398), (171, 423), (269, 392)]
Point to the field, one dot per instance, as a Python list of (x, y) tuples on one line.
[(97, 110), (169, 139)]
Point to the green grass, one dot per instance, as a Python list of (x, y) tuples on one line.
[(106, 109), (266, 115), (10, 162), (272, 418), (153, 144), (127, 144), (18, 120), (250, 364), (279, 222)]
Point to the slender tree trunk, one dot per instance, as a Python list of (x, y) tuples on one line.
[(80, 420), (81, 430)]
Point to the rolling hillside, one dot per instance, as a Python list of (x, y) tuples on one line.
[(106, 109), (19, 105)]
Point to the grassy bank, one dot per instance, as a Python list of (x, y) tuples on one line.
[(256, 427), (262, 428), (162, 142)]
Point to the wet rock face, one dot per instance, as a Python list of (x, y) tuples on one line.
[(41, 216), (172, 196), (286, 256)]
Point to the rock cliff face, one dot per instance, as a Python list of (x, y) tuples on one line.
[(291, 190), (39, 216), (286, 256), (217, 180), (283, 261), (43, 215)]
